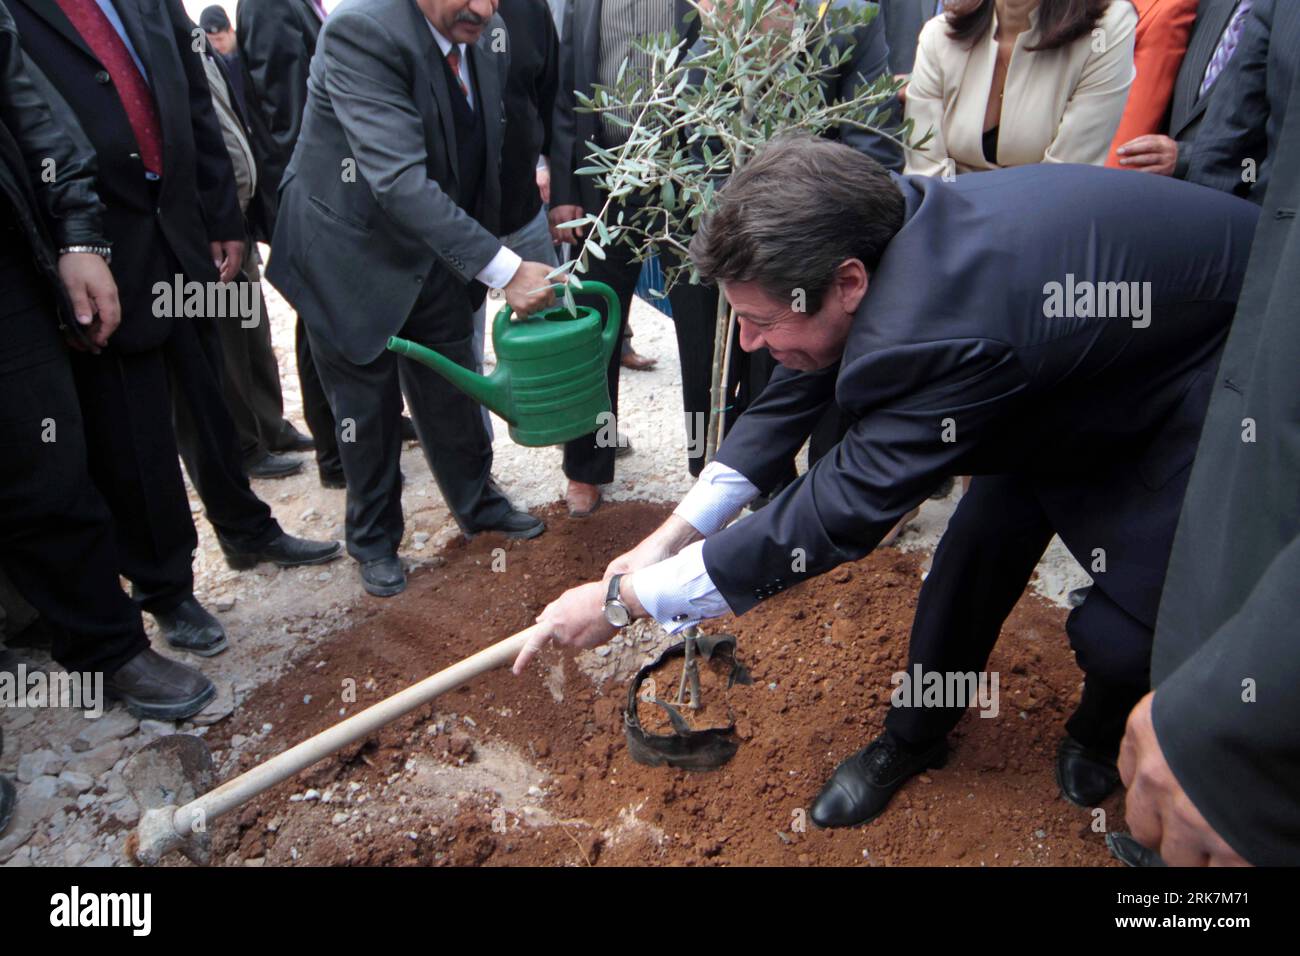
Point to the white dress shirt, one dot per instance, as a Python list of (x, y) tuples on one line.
[(678, 591), (497, 273)]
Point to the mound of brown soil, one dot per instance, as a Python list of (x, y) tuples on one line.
[(534, 770)]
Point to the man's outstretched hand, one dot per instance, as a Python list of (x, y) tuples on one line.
[(1160, 814), (575, 619)]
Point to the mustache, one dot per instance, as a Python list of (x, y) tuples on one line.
[(470, 17)]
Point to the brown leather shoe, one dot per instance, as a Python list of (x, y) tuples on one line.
[(154, 687), (638, 362), (583, 499)]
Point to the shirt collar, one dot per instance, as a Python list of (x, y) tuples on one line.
[(443, 43)]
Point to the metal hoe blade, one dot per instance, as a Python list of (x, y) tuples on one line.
[(168, 773)]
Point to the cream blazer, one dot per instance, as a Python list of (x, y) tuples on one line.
[(1058, 106)]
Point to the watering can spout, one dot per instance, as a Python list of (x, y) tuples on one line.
[(487, 390)]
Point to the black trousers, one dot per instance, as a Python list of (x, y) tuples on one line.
[(252, 375), (980, 569), (367, 403), (56, 534), (142, 407), (316, 406), (694, 314)]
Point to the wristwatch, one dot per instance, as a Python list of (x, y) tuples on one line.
[(616, 612)]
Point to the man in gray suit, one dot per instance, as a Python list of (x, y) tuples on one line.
[(1209, 51), (386, 227), (1212, 757)]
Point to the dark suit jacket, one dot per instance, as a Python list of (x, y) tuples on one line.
[(277, 39), (868, 62), (50, 214), (903, 22), (1250, 99), (953, 366), (529, 104), (368, 205), (195, 201), (572, 130), (1187, 108), (1232, 599)]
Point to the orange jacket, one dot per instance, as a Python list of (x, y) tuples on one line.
[(1164, 27)]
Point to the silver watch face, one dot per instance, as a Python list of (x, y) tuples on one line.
[(617, 615)]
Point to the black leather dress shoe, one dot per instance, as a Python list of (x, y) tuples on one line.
[(516, 524), (155, 688), (333, 479), (383, 577), (1086, 776), (189, 627), (286, 551), (273, 466), (863, 785), (1130, 852), (290, 439)]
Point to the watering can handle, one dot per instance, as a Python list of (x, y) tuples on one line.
[(613, 315)]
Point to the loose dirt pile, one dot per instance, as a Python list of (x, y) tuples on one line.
[(534, 770)]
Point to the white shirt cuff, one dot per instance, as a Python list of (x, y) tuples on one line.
[(678, 591), (715, 499), (498, 273)]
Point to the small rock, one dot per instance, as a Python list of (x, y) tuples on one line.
[(75, 853), (325, 576), (602, 651), (308, 515), (223, 604), (114, 725), (339, 819), (38, 763), (21, 857), (98, 761), (420, 537), (256, 861), (157, 728), (73, 783), (219, 708), (312, 794), (238, 740)]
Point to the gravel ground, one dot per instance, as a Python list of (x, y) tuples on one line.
[(73, 805)]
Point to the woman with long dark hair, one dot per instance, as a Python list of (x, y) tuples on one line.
[(1012, 82)]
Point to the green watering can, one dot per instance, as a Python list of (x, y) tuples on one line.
[(550, 382)]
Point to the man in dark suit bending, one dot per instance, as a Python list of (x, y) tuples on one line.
[(1034, 327)]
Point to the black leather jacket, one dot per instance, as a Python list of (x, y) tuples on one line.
[(47, 167)]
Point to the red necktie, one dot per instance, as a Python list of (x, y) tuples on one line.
[(453, 61), (132, 90)]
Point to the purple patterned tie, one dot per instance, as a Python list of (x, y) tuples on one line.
[(1227, 45)]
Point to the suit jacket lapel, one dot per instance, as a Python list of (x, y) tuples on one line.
[(483, 64), (1199, 54), (49, 11), (130, 13), (586, 26), (438, 84)]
